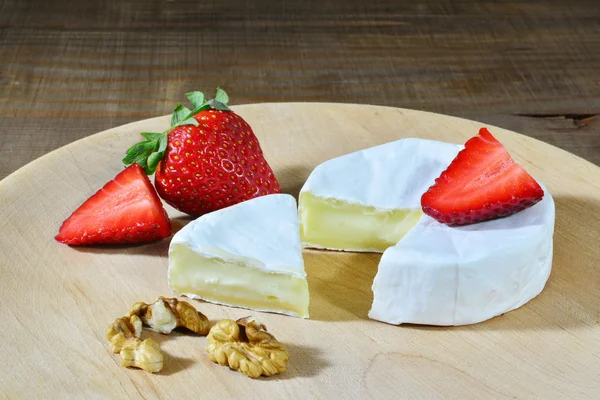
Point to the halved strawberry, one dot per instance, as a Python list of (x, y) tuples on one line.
[(481, 183), (126, 210)]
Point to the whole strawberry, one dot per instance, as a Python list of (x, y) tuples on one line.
[(209, 159)]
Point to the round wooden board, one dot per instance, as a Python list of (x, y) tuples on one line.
[(57, 301)]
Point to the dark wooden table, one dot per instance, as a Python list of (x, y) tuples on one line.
[(72, 68)]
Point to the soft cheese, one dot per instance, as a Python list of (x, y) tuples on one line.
[(443, 275), (248, 255), (368, 200)]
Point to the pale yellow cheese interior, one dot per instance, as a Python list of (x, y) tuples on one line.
[(234, 284), (335, 224)]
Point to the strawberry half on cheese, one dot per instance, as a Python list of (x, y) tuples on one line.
[(483, 182)]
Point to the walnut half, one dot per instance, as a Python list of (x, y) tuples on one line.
[(246, 346), (164, 315), (144, 354), (124, 337)]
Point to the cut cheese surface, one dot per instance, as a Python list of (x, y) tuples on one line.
[(335, 224), (441, 275), (248, 255), (368, 200)]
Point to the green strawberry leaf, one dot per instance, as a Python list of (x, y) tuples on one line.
[(196, 110), (150, 136), (154, 159), (196, 98), (217, 105), (162, 143), (137, 151), (221, 96), (179, 114), (149, 152), (144, 164), (189, 119)]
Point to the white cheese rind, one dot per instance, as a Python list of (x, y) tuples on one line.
[(262, 233), (441, 275), (390, 176)]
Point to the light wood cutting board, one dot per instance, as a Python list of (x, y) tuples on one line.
[(57, 301)]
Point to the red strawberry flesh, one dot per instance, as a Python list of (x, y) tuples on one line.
[(126, 210), (483, 182)]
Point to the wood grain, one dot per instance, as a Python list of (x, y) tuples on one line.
[(57, 300), (69, 69)]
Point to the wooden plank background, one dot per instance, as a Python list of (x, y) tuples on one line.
[(69, 69)]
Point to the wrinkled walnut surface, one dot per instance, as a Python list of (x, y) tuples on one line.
[(246, 346)]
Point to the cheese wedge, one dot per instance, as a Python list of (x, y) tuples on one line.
[(248, 255), (441, 275), (368, 200)]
